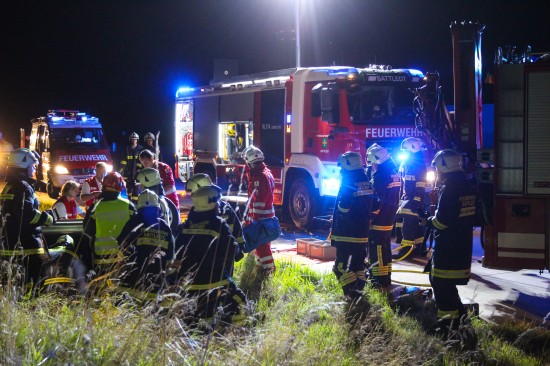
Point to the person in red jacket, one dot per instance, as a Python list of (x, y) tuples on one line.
[(260, 206), (149, 160), (91, 188), (66, 207)]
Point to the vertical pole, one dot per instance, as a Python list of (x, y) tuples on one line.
[(297, 26)]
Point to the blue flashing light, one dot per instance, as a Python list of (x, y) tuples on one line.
[(338, 71), (84, 119), (417, 73), (403, 156), (289, 119), (55, 119), (184, 90)]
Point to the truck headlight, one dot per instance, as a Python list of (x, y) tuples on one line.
[(60, 169), (109, 168), (330, 186), (430, 176)]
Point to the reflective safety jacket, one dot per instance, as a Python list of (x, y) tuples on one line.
[(352, 209), (130, 164), (104, 222), (386, 184), (453, 229), (413, 174), (148, 247), (260, 187), (19, 208), (205, 250)]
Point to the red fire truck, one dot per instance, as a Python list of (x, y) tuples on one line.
[(302, 119), (69, 143)]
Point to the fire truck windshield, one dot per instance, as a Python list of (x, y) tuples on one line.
[(78, 138), (380, 105)]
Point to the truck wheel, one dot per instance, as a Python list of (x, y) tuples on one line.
[(53, 191), (304, 202)]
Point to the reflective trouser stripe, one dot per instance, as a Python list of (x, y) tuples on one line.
[(381, 228), (450, 314), (412, 242), (349, 239), (142, 295), (7, 253), (50, 281), (207, 286), (451, 273)]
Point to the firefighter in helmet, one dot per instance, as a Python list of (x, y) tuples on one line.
[(205, 250), (20, 221), (260, 192), (149, 178), (453, 224), (413, 189), (151, 144), (130, 165), (226, 211), (386, 184), (149, 160), (104, 222), (350, 225), (148, 248)]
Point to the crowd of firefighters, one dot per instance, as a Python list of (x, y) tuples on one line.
[(140, 245)]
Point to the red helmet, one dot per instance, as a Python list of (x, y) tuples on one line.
[(113, 182)]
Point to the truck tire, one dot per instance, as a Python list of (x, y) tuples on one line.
[(53, 191), (304, 203)]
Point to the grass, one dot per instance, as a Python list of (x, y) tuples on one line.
[(297, 317)]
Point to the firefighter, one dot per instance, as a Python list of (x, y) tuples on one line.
[(205, 250), (350, 225), (66, 207), (130, 165), (226, 211), (64, 273), (104, 222), (20, 221), (453, 231), (148, 247), (386, 184), (149, 160), (260, 192), (91, 188), (152, 145), (413, 190), (150, 178)]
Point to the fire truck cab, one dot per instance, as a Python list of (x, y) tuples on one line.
[(302, 119), (69, 143)]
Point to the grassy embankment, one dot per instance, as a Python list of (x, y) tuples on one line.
[(297, 318)]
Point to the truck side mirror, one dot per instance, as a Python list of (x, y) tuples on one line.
[(325, 103)]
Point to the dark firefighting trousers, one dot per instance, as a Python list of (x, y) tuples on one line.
[(411, 232), (31, 264), (449, 306), (229, 299), (349, 267), (380, 257)]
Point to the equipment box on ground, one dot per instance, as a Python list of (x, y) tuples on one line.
[(302, 245), (322, 250)]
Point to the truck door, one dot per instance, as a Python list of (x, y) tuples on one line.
[(272, 126)]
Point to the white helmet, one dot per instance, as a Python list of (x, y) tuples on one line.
[(350, 161), (148, 177), (23, 158), (447, 161), (197, 181), (412, 145), (206, 198), (377, 154), (148, 198), (253, 155)]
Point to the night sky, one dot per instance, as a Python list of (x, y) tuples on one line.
[(123, 61)]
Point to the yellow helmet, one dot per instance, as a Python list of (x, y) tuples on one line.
[(206, 198), (148, 198), (197, 181), (231, 130)]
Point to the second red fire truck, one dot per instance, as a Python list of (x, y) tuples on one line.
[(302, 119)]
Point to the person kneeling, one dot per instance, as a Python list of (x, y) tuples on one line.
[(205, 250)]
